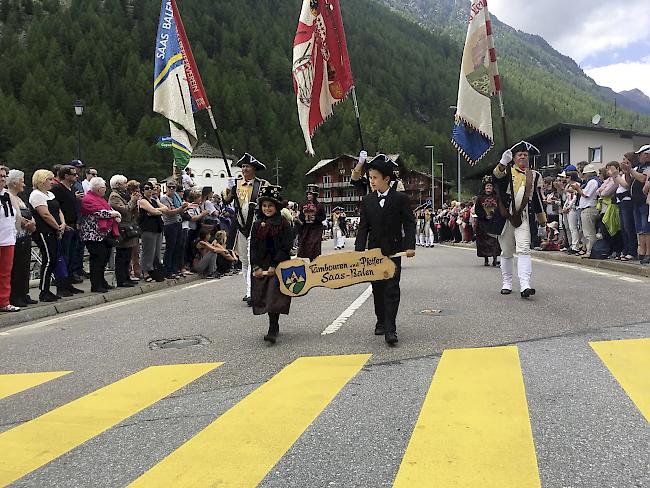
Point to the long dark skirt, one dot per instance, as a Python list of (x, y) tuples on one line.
[(486, 245), (267, 297), (310, 241)]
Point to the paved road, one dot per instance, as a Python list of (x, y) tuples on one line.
[(494, 391)]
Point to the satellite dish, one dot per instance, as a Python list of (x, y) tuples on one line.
[(596, 119)]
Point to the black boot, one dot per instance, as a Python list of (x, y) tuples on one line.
[(487, 262), (274, 328), (495, 262)]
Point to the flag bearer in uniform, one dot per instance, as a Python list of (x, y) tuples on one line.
[(428, 226), (244, 193), (271, 242), (513, 221), (387, 222), (419, 227)]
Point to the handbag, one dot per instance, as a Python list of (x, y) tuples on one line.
[(60, 267), (129, 230)]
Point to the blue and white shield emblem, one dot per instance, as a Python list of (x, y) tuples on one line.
[(294, 278)]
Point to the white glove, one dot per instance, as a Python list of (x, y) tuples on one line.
[(363, 155), (506, 158), (232, 182)]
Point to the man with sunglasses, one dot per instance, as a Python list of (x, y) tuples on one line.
[(64, 193), (90, 174)]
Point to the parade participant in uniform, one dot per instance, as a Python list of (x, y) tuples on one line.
[(247, 191), (343, 228), (336, 230), (387, 223), (513, 221), (428, 227), (487, 246), (419, 225), (271, 242), (311, 218)]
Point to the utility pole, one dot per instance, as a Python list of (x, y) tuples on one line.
[(277, 171)]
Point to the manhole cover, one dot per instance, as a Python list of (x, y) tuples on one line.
[(179, 342), (431, 311)]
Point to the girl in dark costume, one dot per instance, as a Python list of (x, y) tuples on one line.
[(271, 242), (486, 204), (310, 234)]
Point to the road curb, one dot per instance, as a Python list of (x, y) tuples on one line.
[(605, 264), (88, 300)]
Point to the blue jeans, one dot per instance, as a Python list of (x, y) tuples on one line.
[(628, 228), (641, 218), (173, 240)]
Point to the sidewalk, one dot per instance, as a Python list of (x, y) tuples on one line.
[(85, 300), (609, 264)]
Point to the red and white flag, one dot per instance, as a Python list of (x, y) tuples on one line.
[(321, 65)]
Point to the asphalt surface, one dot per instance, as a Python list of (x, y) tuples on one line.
[(587, 431)]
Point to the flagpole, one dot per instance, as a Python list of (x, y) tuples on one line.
[(503, 120), (356, 111), (216, 133)]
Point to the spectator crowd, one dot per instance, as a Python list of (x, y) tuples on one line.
[(593, 211)]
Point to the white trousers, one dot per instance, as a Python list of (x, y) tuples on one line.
[(428, 235), (516, 240), (243, 246), (589, 219)]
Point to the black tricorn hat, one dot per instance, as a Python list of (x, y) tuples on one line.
[(525, 146), (313, 189), (249, 159), (385, 165), (272, 194)]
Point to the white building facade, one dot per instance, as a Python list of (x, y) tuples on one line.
[(208, 168)]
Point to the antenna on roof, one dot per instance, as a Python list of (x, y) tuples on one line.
[(596, 119)]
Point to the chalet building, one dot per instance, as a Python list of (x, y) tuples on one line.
[(333, 178), (564, 144)]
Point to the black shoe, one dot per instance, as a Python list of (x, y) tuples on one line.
[(245, 299), (496, 263), (98, 290), (126, 284), (64, 292), (107, 286), (75, 278), (29, 300), (47, 296), (270, 338), (18, 302), (75, 291), (85, 274), (528, 292), (379, 329), (486, 263), (505, 291), (391, 338)]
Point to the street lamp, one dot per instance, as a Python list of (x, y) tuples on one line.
[(78, 112), (433, 179), (442, 185), (454, 108)]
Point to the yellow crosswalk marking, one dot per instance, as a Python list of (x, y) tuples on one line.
[(629, 363), (37, 442), (10, 384), (473, 430), (241, 446)]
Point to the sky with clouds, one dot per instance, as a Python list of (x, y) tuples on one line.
[(609, 39)]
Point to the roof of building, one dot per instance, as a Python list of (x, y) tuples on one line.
[(594, 128), (324, 162), (205, 150)]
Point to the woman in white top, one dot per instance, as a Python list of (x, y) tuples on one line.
[(50, 225), (8, 233)]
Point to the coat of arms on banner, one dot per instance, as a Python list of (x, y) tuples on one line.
[(294, 278)]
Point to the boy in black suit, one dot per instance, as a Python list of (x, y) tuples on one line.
[(387, 222)]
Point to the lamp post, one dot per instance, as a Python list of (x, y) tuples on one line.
[(78, 112), (442, 185), (433, 179), (454, 108)]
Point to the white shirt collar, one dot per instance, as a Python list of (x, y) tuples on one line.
[(379, 194)]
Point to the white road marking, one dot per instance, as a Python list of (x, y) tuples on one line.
[(348, 312), (612, 274)]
